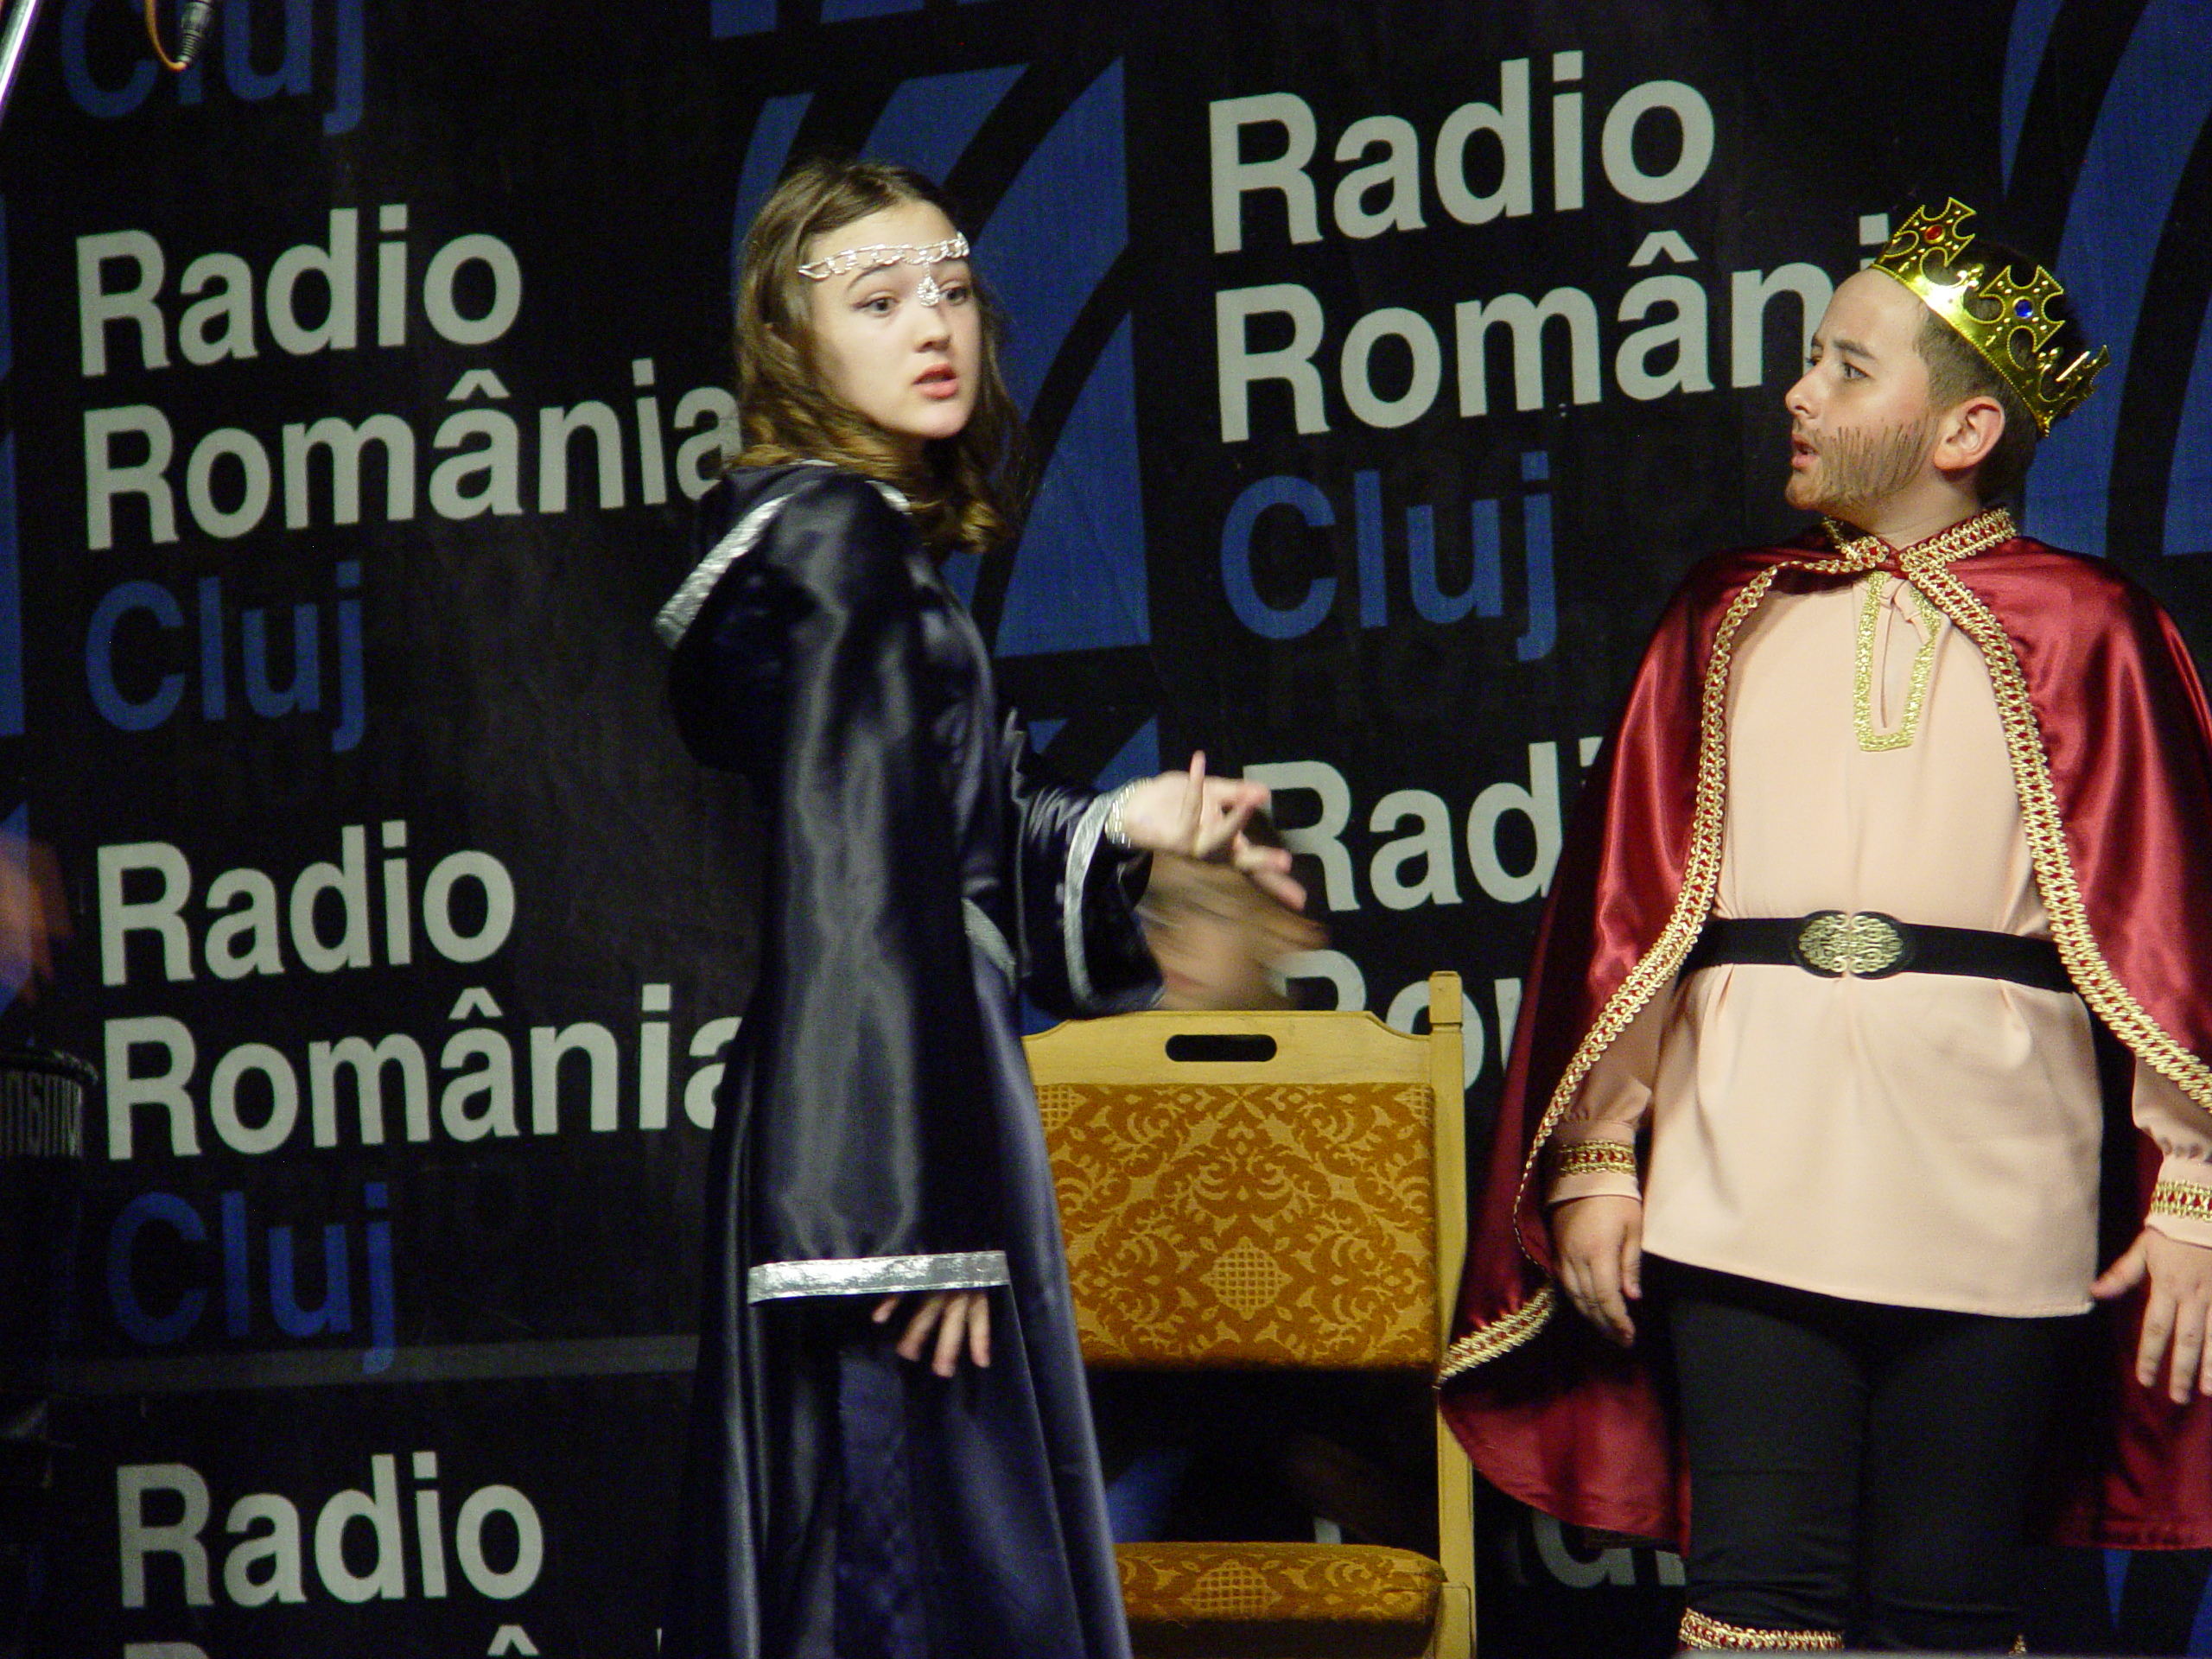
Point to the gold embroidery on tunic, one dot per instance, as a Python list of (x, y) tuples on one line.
[(1923, 660)]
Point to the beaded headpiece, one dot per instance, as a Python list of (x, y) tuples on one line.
[(890, 253), (1927, 255)]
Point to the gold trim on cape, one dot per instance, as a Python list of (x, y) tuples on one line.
[(1700, 1633), (2111, 1001), (1502, 1336)]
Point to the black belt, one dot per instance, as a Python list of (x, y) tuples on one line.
[(1870, 945)]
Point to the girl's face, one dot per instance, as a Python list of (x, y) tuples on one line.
[(899, 344)]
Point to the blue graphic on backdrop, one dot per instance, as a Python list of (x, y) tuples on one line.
[(766, 154), (1140, 758), (926, 124), (930, 120), (2189, 490), (2153, 110), (2032, 21), (1079, 581), (729, 18)]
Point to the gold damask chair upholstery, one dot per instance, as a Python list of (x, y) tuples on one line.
[(1271, 1190)]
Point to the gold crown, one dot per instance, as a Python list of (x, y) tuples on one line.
[(1927, 255)]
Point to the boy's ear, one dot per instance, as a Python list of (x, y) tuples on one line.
[(1965, 434)]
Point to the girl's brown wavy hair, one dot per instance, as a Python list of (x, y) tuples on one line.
[(968, 492)]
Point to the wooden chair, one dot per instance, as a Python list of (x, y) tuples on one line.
[(1261, 1190)]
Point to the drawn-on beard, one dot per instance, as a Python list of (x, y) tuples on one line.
[(1858, 466)]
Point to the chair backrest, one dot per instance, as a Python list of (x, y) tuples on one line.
[(1270, 1189), (1258, 1189)]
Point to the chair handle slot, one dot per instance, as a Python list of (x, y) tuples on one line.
[(1237, 1046)]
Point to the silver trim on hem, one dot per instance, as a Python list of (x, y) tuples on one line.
[(876, 1275)]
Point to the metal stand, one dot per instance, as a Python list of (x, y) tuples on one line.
[(21, 14), (43, 1095)]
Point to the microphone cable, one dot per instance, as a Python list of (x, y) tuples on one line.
[(193, 20)]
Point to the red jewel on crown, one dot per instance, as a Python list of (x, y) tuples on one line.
[(1931, 233)]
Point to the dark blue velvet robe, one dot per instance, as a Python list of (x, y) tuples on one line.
[(876, 1130)]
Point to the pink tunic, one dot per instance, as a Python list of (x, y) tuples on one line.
[(1926, 1140)]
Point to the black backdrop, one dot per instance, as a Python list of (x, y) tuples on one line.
[(1390, 362)]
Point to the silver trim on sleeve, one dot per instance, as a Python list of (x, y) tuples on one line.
[(876, 1275), (989, 943), (1083, 851), (676, 616)]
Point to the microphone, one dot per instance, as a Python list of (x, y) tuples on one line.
[(193, 23)]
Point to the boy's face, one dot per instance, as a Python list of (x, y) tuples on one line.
[(1861, 430)]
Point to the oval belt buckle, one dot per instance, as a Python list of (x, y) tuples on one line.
[(1866, 944)]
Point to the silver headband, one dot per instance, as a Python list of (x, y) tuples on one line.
[(884, 253)]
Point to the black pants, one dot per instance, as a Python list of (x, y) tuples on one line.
[(1855, 1467)]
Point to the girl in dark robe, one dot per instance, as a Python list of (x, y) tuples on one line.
[(891, 1455)]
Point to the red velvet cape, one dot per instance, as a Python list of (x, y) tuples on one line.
[(1559, 1419)]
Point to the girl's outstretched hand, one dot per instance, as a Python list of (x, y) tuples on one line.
[(1203, 818)]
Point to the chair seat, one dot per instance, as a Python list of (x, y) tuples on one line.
[(1222, 1601)]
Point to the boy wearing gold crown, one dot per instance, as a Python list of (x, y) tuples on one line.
[(1903, 830)]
